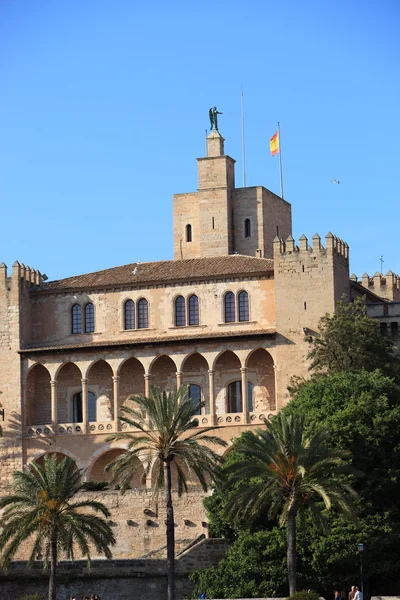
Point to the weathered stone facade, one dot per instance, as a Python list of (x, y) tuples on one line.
[(227, 315)]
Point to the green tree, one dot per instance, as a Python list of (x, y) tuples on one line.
[(169, 437), (288, 471), (350, 341), (45, 510)]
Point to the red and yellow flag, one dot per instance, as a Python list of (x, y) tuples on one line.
[(274, 144)]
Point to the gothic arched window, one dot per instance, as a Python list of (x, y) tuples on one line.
[(235, 401), (193, 310), (89, 318), (77, 410), (76, 314), (243, 306), (143, 313), (229, 307), (188, 233), (180, 312), (194, 393), (247, 228), (129, 314)]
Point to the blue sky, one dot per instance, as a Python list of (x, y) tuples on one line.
[(104, 105)]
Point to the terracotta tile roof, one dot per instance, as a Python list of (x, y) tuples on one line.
[(189, 337), (165, 271)]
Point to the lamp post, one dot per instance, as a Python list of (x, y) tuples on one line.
[(361, 550)]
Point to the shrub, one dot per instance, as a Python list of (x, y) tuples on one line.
[(31, 597)]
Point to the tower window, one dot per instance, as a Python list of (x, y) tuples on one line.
[(193, 310), (143, 313), (76, 319), (247, 228), (229, 300), (129, 315), (188, 233), (243, 306), (89, 318), (180, 312)]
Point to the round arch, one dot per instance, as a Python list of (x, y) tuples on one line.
[(39, 456), (97, 472)]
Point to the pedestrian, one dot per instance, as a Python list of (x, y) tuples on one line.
[(337, 596), (359, 595), (203, 596), (352, 592)]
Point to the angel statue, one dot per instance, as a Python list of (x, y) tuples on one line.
[(213, 114)]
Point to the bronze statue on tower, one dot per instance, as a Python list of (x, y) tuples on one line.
[(213, 114)]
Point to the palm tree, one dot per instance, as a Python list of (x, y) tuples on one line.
[(43, 508), (286, 470), (169, 437)]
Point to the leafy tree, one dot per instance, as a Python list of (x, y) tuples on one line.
[(43, 508), (362, 413), (169, 435), (350, 341), (290, 471)]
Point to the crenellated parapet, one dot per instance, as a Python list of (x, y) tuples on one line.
[(385, 286), (333, 246), (20, 272)]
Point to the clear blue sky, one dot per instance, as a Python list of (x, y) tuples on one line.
[(103, 108)]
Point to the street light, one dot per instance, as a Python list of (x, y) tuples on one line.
[(361, 550)]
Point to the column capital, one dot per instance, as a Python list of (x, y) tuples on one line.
[(211, 371), (243, 369), (84, 380), (178, 373), (116, 378), (53, 382), (147, 376)]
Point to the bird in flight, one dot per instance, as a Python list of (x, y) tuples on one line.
[(335, 181)]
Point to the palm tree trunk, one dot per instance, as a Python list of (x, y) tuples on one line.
[(291, 551), (53, 566), (170, 532)]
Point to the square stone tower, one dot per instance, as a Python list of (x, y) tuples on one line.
[(220, 219)]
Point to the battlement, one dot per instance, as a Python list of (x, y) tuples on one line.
[(333, 245), (386, 286), (20, 271)]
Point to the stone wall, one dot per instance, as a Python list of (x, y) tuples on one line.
[(114, 579)]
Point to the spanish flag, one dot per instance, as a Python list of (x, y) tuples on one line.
[(274, 144)]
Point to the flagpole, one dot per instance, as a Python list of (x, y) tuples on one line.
[(243, 146), (280, 159)]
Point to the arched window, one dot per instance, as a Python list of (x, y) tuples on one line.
[(243, 306), (188, 233), (235, 402), (143, 313), (129, 314), (77, 412), (89, 318), (180, 312), (194, 393), (229, 307), (76, 319), (247, 228), (193, 310)]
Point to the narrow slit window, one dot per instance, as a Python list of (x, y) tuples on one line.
[(180, 312), (247, 228), (188, 233), (76, 319), (229, 300), (305, 305), (213, 223), (129, 315), (243, 306), (89, 318), (143, 313), (193, 310)]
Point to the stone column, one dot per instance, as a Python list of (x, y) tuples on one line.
[(178, 379), (147, 385), (211, 387), (84, 405), (116, 397), (245, 404), (53, 390)]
